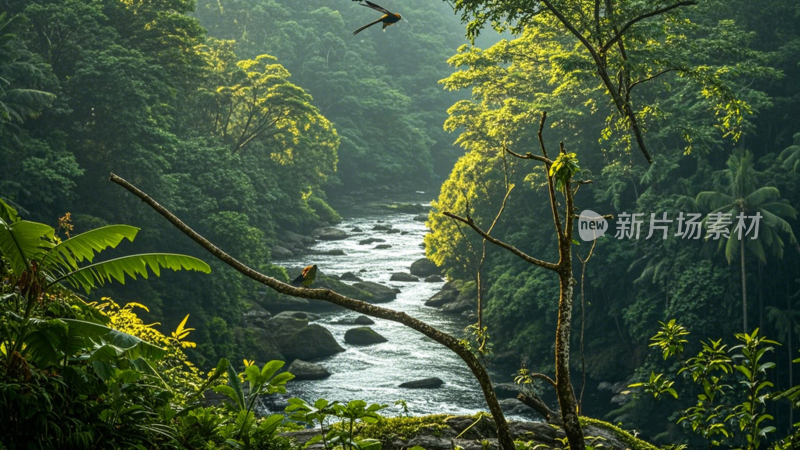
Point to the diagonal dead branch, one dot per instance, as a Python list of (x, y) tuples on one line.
[(471, 223)]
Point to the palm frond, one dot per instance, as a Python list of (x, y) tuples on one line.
[(713, 200), (762, 195), (85, 245), (93, 275)]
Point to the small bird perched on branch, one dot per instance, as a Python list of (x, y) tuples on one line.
[(306, 277), (389, 18)]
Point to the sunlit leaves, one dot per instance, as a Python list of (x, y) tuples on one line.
[(563, 169)]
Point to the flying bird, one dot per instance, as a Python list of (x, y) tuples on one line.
[(389, 18), (306, 277)]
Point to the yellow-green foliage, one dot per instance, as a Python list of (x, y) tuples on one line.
[(175, 369), (403, 427), (632, 442)]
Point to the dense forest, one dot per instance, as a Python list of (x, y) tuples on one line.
[(253, 120)]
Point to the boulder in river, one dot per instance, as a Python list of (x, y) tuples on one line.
[(296, 315), (433, 279), (349, 276), (334, 252), (281, 252), (330, 234), (363, 336), (296, 339), (379, 292), (356, 230), (370, 241), (303, 370), (427, 383), (421, 218), (442, 297), (363, 320), (382, 246), (424, 267), (381, 228), (400, 276), (461, 305)]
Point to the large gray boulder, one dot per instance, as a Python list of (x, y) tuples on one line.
[(400, 276), (424, 267), (442, 297), (303, 370), (363, 336), (427, 383), (263, 346), (461, 305), (296, 339), (466, 301), (379, 292), (329, 234), (370, 241)]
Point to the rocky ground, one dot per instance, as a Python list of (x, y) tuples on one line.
[(478, 432)]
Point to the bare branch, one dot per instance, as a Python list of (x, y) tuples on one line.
[(528, 155), (633, 21), (645, 80), (499, 243), (534, 402)]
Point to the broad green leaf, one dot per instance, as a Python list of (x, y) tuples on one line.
[(271, 423), (85, 246), (93, 275), (131, 345), (23, 241), (269, 370), (7, 213)]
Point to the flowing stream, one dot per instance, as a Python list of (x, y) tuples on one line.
[(373, 373)]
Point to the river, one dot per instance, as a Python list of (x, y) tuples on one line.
[(373, 373)]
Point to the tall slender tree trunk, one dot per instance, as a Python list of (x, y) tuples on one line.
[(744, 288), (566, 395)]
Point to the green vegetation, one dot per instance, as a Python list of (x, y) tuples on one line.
[(247, 117)]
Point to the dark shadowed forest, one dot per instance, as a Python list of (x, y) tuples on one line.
[(582, 212)]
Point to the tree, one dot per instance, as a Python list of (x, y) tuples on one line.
[(560, 173), (738, 194), (629, 44), (18, 102), (260, 103)]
